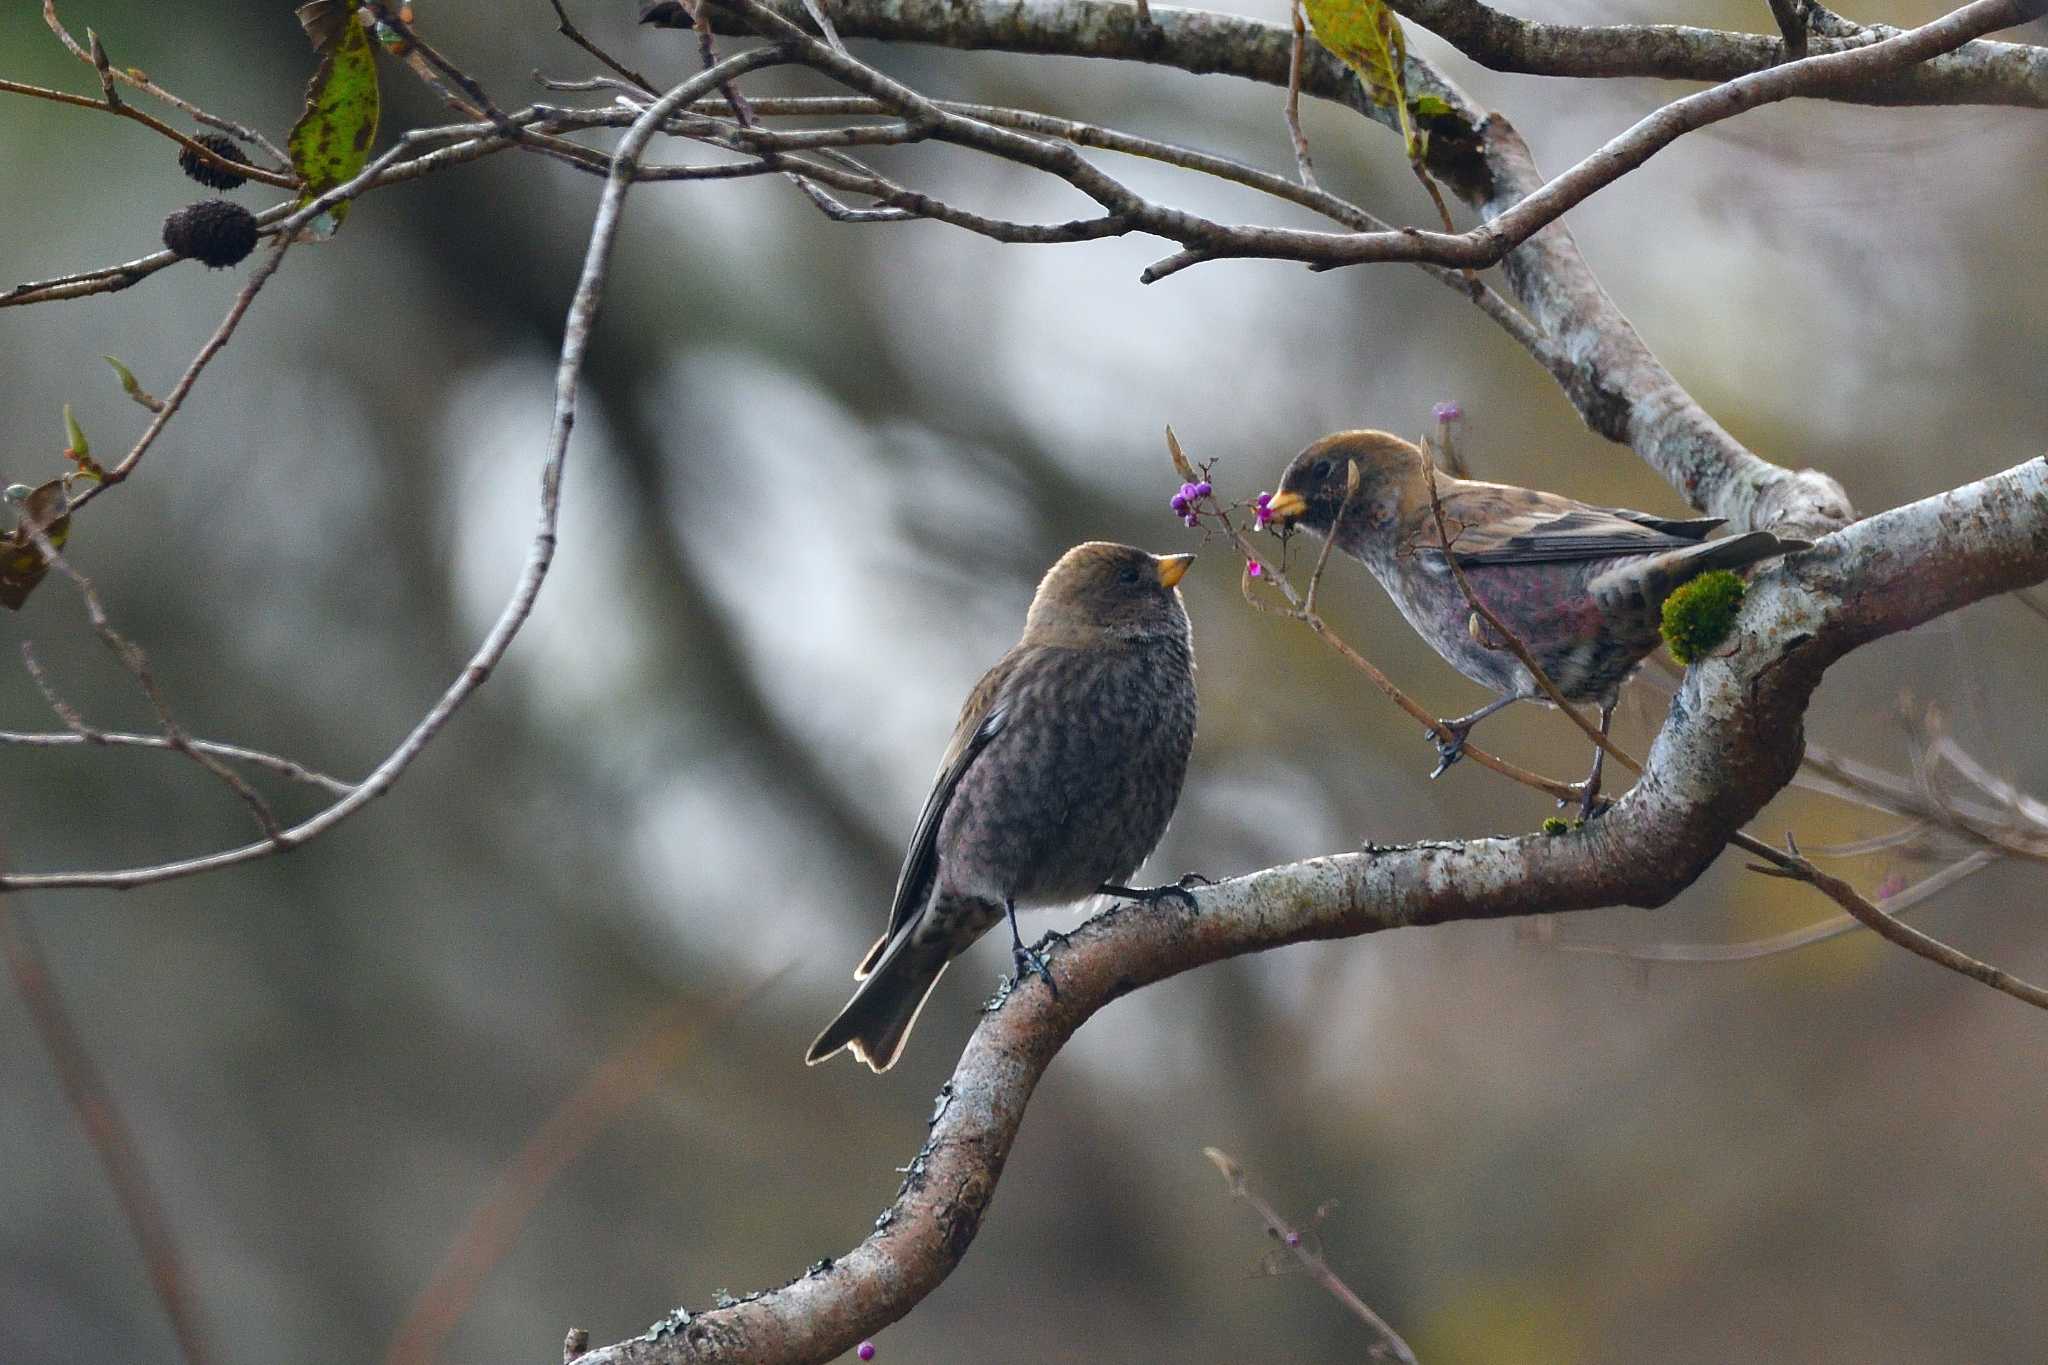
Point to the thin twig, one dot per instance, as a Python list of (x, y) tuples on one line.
[(1310, 1259), (1792, 864), (132, 658), (1791, 940), (83, 734), (112, 1140), (175, 399), (1302, 163), (621, 1081), (137, 80), (575, 35), (112, 105)]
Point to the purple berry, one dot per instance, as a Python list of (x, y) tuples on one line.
[(1254, 568), (1192, 520), (1179, 504), (866, 1351), (1203, 489), (1448, 412), (1294, 1239)]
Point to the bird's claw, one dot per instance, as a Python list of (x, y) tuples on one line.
[(1030, 962), (1177, 889), (1591, 803), (1447, 751)]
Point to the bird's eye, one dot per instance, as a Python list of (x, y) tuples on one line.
[(1321, 471), (1129, 574)]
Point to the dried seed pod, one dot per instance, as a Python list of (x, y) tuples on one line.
[(212, 231), (204, 171)]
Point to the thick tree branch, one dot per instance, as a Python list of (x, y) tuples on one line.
[(1979, 72), (1732, 741)]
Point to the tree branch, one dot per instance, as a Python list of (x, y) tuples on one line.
[(1979, 72), (1733, 740)]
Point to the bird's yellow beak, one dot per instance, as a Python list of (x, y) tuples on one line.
[(1172, 568), (1286, 508)]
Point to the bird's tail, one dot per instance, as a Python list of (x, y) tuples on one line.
[(1730, 552), (878, 1018)]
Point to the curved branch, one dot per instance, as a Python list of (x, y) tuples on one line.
[(1979, 72), (1733, 740)]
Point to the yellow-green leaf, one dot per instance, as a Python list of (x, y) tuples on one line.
[(132, 388), (1367, 37), (78, 447), (330, 144)]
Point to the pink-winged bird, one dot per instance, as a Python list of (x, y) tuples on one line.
[(1581, 587)]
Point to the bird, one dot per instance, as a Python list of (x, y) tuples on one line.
[(1581, 587), (1064, 768)]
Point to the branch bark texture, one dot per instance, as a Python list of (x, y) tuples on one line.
[(1979, 72)]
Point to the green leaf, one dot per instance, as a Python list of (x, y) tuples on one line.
[(1431, 106), (133, 389), (330, 144), (22, 564), (79, 448), (1366, 36)]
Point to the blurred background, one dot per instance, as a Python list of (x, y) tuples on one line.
[(817, 474)]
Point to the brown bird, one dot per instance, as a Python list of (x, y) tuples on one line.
[(1064, 769), (1581, 587)]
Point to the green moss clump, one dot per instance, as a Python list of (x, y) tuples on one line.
[(1698, 617), (1554, 827)]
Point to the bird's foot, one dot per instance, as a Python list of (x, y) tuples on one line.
[(1030, 962), (1591, 802), (1178, 890), (1448, 751)]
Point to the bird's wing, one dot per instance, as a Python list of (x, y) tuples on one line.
[(1490, 524), (981, 720)]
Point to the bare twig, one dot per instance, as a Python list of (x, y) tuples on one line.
[(621, 1081), (137, 80), (111, 104), (82, 734), (1294, 134), (132, 658), (575, 35), (1750, 950), (175, 399), (1792, 864), (108, 1132), (1311, 1260)]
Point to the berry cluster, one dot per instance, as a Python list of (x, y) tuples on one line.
[(1183, 502)]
